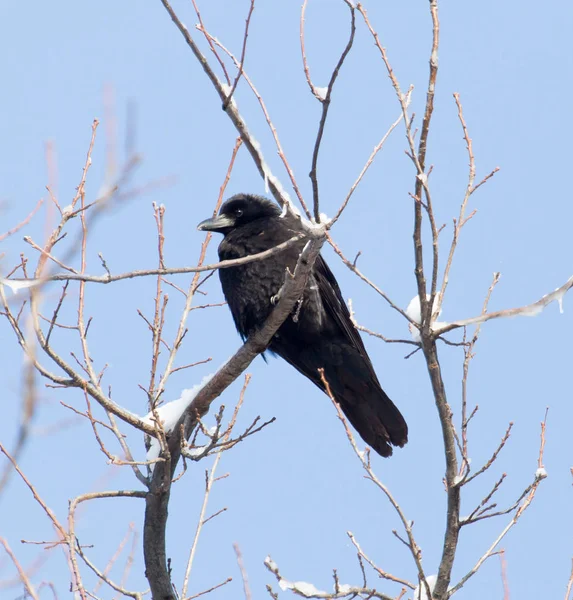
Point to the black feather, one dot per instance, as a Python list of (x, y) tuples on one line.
[(322, 335)]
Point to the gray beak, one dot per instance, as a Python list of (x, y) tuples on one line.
[(219, 223)]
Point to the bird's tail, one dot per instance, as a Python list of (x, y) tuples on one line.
[(356, 389), (366, 405)]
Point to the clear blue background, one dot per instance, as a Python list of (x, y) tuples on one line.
[(296, 488)]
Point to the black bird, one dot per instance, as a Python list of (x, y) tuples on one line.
[(322, 336)]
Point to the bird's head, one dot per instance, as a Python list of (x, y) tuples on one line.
[(239, 210)]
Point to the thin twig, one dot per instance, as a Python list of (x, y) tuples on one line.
[(363, 456), (381, 573), (115, 556), (243, 52), (529, 310), (47, 510), (75, 546), (231, 110), (468, 355), (246, 588), (325, 106), (306, 68), (211, 589), (470, 189), (209, 480), (158, 498), (213, 50), (23, 222), (21, 571), (268, 177), (377, 148), (569, 584), (530, 495), (355, 270), (225, 264), (195, 281)]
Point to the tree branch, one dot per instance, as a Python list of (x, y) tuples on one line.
[(157, 500), (252, 145)]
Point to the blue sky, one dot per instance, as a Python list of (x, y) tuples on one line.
[(296, 488)]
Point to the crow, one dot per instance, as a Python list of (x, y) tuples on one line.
[(319, 333)]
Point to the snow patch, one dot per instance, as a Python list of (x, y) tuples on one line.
[(19, 284), (170, 413), (302, 588), (323, 221), (197, 451), (420, 591), (414, 311), (415, 333), (532, 311), (321, 91), (306, 589), (559, 295), (437, 326)]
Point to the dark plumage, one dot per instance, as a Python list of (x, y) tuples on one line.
[(323, 336)]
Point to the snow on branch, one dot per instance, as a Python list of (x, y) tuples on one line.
[(19, 284), (309, 590), (420, 592), (531, 310), (413, 311), (169, 413)]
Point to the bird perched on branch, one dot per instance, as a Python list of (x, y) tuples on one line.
[(319, 333)]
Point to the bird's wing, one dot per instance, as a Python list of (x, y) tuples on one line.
[(330, 341), (336, 308)]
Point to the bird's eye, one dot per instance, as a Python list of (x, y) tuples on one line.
[(238, 212)]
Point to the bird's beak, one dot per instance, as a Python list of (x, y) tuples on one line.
[(219, 223)]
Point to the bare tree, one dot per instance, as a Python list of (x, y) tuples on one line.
[(53, 330)]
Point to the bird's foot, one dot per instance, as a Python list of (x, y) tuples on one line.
[(275, 299)]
